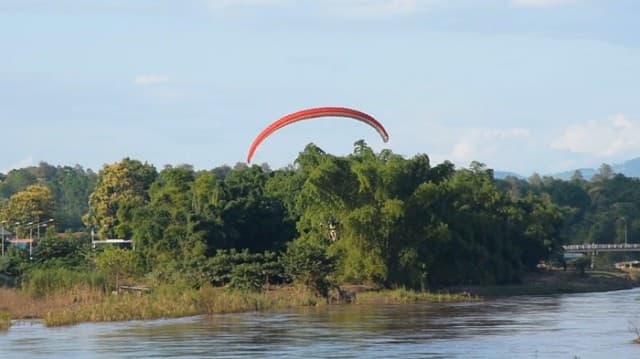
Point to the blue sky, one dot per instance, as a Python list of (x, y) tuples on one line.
[(521, 85)]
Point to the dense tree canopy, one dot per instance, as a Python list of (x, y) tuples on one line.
[(372, 218)]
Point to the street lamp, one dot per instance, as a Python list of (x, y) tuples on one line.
[(43, 224), (30, 224), (16, 224)]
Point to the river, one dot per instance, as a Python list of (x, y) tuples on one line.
[(593, 325)]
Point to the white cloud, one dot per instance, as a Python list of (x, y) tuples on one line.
[(349, 8), (27, 162), (540, 3), (613, 136), (485, 144), (151, 79), (366, 8), (225, 4)]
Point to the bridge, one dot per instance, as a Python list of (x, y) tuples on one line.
[(595, 248)]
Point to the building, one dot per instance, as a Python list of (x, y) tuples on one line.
[(7, 234)]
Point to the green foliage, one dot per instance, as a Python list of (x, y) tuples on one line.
[(117, 264), (246, 276), (122, 185), (244, 270), (16, 181), (61, 251), (307, 262), (70, 187), (31, 205), (15, 261), (39, 282), (380, 219)]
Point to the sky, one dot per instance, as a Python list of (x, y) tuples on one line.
[(520, 85)]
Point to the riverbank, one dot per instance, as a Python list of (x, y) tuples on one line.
[(547, 282), (85, 304)]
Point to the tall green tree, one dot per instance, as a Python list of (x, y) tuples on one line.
[(121, 186), (32, 205)]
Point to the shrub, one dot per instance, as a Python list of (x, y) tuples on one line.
[(244, 270), (15, 261), (307, 262), (117, 264)]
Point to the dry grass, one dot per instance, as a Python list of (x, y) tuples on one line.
[(407, 296), (5, 321), (175, 302), (23, 306), (84, 304)]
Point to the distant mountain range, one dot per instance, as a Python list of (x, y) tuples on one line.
[(630, 168)]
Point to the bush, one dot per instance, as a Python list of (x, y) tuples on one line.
[(117, 264), (244, 270), (246, 276), (307, 262), (57, 251), (15, 261)]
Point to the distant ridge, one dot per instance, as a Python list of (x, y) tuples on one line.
[(505, 174), (630, 168)]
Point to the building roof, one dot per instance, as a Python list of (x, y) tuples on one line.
[(6, 232)]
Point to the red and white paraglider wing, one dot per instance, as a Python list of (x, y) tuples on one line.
[(315, 113)]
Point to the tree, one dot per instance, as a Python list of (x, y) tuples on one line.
[(166, 231), (61, 250), (605, 172), (16, 181), (252, 218), (120, 185), (577, 176), (31, 205), (71, 187)]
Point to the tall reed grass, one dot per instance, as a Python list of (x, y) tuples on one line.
[(5, 321), (45, 281), (407, 296), (86, 303), (20, 305), (169, 301)]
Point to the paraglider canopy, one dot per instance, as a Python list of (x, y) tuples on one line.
[(315, 113)]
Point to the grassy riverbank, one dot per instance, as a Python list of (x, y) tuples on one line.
[(89, 304), (405, 296), (86, 304)]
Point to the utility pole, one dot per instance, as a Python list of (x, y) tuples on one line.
[(2, 229)]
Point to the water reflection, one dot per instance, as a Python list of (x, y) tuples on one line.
[(584, 325)]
